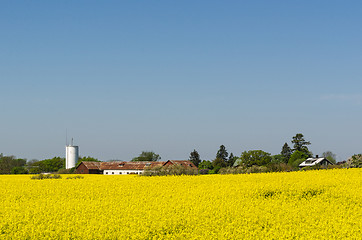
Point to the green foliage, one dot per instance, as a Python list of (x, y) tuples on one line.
[(204, 171), (34, 170), (330, 156), (279, 158), (45, 176), (254, 157), (286, 152), (222, 153), (7, 163), (279, 167), (19, 170), (147, 156), (205, 164), (295, 163), (48, 165), (169, 170), (221, 159), (272, 167), (195, 158), (217, 164), (355, 161), (75, 177), (297, 155), (232, 170), (300, 144), (230, 162)]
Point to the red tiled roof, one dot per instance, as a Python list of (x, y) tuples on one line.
[(92, 165), (129, 165), (183, 163)]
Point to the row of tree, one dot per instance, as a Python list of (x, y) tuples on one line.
[(288, 159), (12, 165)]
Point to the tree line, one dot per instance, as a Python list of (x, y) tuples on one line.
[(13, 165), (259, 160), (249, 161)]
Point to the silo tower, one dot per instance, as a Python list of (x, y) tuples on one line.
[(71, 155)]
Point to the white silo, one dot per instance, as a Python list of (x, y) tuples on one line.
[(71, 156)]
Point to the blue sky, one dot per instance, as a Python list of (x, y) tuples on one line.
[(172, 76)]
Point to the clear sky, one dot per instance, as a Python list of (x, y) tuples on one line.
[(173, 76)]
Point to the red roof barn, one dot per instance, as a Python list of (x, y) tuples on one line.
[(86, 167)]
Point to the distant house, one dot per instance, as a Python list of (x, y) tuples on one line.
[(317, 161), (116, 168), (86, 167), (183, 163)]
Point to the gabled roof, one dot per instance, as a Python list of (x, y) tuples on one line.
[(313, 161), (91, 165), (123, 165), (183, 163)]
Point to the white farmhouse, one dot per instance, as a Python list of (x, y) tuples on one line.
[(315, 161), (116, 168)]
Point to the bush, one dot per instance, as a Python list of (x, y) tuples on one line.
[(46, 176), (75, 177), (169, 170), (355, 161), (19, 170), (231, 170), (204, 171), (257, 169), (279, 167), (334, 166)]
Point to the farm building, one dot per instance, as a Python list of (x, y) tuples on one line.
[(317, 161), (86, 167), (114, 168), (123, 167)]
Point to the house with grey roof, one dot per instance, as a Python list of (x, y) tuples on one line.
[(317, 161)]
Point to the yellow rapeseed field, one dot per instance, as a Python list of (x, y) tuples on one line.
[(325, 204)]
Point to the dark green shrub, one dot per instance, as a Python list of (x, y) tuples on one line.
[(45, 176), (169, 170)]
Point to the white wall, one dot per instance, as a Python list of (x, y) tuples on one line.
[(121, 172)]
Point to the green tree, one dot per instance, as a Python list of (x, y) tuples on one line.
[(88, 159), (278, 158), (297, 158), (205, 164), (254, 157), (147, 156), (300, 144), (222, 153), (330, 156), (217, 164), (7, 163), (286, 152), (355, 161), (49, 165), (195, 158), (19, 170), (230, 162)]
